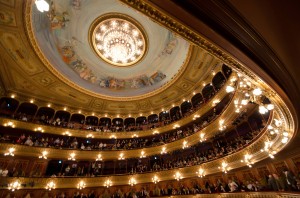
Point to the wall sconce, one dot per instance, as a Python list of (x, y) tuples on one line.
[(10, 152), (202, 139), (81, 185), (39, 129), (163, 150), (72, 157), (178, 176), (9, 124), (247, 160), (201, 172), (108, 183), (44, 155), (50, 186), (90, 136), (99, 157), (184, 144), (224, 167), (67, 133), (14, 186), (155, 179), (121, 156), (112, 137), (132, 181), (142, 154)]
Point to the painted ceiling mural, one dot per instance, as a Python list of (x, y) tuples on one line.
[(66, 30)]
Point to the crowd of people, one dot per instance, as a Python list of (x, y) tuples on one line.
[(67, 142)]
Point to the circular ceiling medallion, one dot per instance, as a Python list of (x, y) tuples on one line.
[(118, 39)]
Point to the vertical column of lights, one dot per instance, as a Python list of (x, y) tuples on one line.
[(201, 172), (50, 185), (10, 152)]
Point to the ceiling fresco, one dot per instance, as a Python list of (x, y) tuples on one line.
[(66, 30)]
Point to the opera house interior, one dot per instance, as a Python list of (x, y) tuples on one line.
[(149, 98)]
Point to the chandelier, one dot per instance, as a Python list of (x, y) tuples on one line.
[(51, 185), (108, 183), (81, 185), (118, 39)]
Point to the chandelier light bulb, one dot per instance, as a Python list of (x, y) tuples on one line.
[(42, 5)]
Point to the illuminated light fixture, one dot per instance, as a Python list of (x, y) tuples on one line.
[(10, 152), (72, 157), (214, 73), (184, 144), (178, 176), (90, 136), (118, 116), (99, 157), (118, 40), (183, 100), (14, 186), (267, 149), (12, 96), (9, 124), (129, 115), (201, 172), (176, 126), (79, 112), (247, 160), (155, 179), (51, 185), (67, 133), (202, 139), (284, 140), (108, 183), (49, 105), (194, 93), (278, 123), (215, 102), (132, 181), (262, 109), (39, 129), (44, 155), (31, 101), (93, 114), (134, 136), (196, 116), (81, 185), (121, 156), (224, 167), (105, 115), (221, 125), (155, 132), (65, 109), (142, 154), (233, 79), (42, 5), (163, 150), (229, 89), (112, 137), (257, 92)]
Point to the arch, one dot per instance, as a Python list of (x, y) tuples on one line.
[(8, 106), (44, 115), (26, 111)]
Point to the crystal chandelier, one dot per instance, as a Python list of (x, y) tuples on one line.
[(118, 40)]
